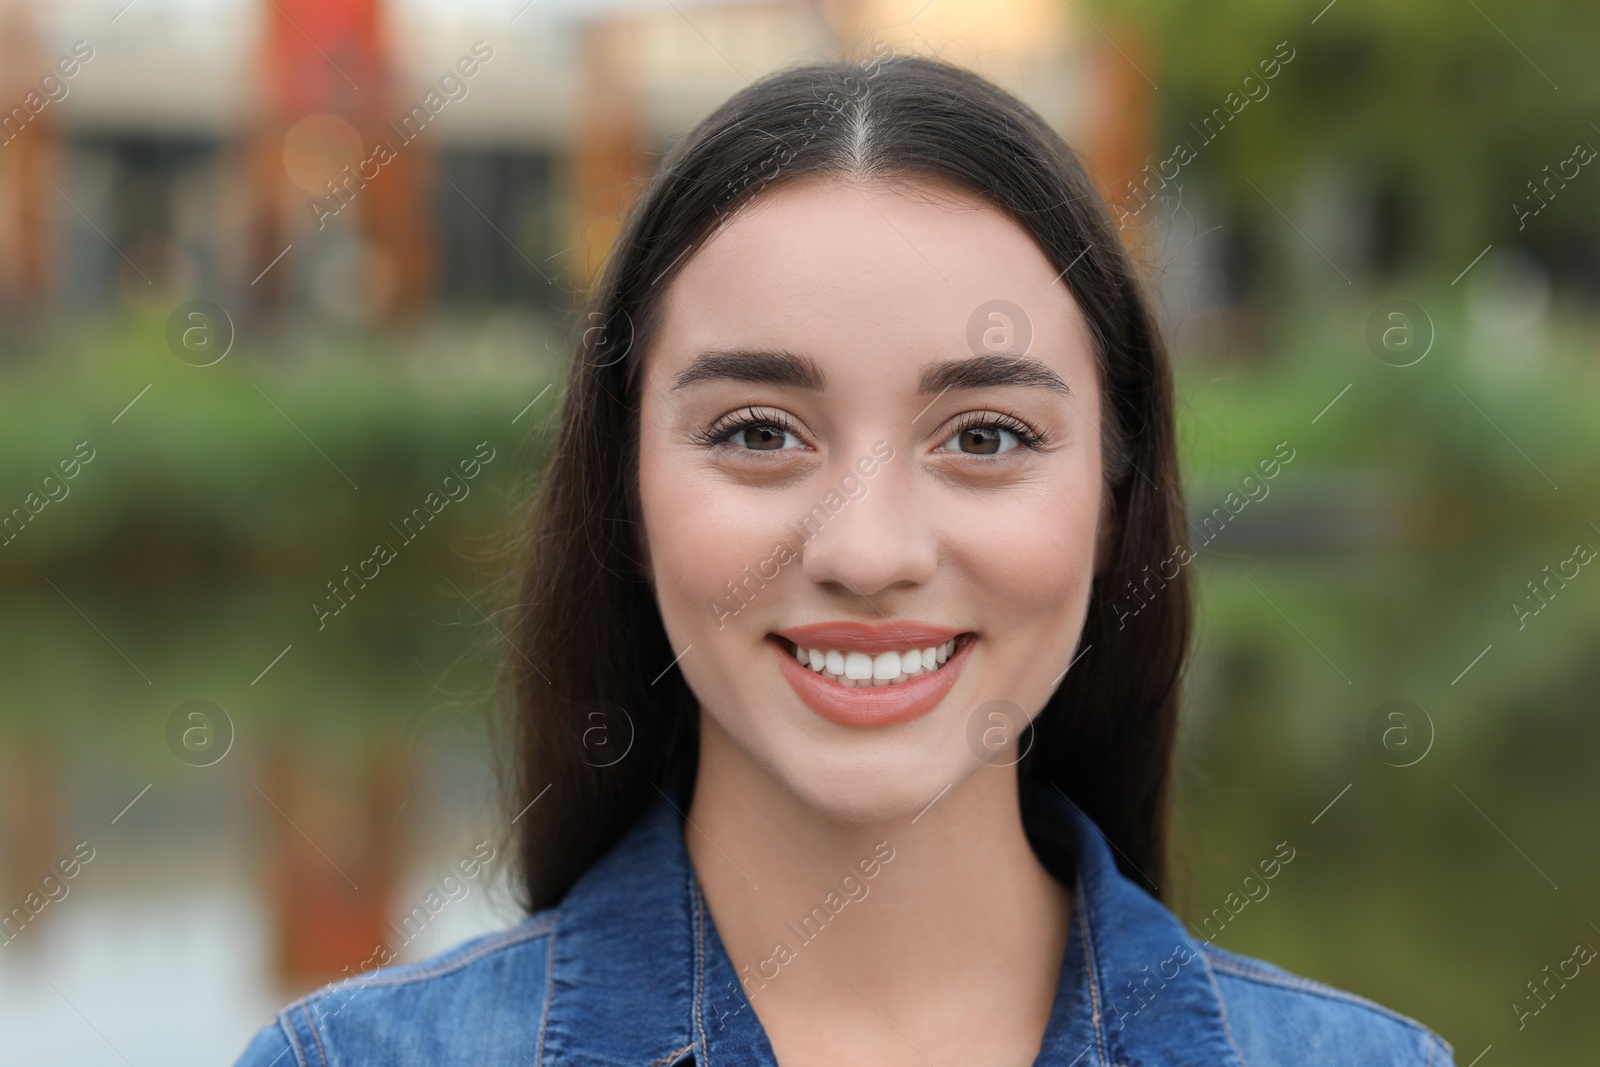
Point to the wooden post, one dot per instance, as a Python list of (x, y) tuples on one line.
[(608, 159), (28, 156)]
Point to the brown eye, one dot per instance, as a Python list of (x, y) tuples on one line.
[(985, 439), (980, 440), (764, 438), (752, 431)]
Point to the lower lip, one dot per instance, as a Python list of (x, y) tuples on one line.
[(880, 705)]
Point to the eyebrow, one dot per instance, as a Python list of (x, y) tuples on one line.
[(771, 367), (978, 372), (782, 367)]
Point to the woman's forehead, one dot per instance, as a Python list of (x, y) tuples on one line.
[(865, 271)]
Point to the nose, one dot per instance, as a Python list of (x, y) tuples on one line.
[(876, 539)]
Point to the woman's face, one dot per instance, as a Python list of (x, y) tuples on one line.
[(870, 438)]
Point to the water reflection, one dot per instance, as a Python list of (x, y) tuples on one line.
[(210, 902)]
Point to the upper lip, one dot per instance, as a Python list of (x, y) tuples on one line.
[(892, 636)]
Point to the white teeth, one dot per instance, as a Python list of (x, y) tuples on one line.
[(857, 665), (885, 665), (862, 670)]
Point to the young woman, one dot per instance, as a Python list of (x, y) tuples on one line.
[(836, 740)]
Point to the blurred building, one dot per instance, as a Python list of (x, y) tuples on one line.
[(362, 160)]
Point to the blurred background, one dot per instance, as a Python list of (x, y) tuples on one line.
[(269, 271)]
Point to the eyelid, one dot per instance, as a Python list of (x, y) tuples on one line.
[(725, 426), (1028, 437)]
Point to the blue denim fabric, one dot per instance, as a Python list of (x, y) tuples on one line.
[(629, 970)]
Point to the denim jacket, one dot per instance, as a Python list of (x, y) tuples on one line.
[(629, 971)]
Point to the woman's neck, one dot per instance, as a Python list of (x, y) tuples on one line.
[(879, 942)]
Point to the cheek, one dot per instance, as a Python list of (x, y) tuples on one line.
[(717, 580), (704, 534), (1029, 558)]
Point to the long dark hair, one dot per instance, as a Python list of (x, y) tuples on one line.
[(588, 651)]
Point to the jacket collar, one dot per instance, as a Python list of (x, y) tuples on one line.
[(640, 978)]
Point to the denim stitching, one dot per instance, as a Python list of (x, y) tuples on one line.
[(700, 960), (1243, 969), (311, 1024), (549, 993), (1222, 1010), (294, 1038), (507, 939), (1094, 974), (671, 1056)]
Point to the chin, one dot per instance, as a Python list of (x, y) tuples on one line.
[(884, 779)]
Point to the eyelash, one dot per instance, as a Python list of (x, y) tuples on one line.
[(1026, 436), (725, 428), (735, 421)]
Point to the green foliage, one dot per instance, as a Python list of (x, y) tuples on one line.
[(1383, 565), (1450, 111), (255, 466)]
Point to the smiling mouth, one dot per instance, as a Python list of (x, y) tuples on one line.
[(853, 669)]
